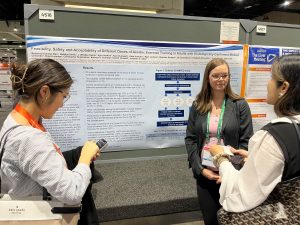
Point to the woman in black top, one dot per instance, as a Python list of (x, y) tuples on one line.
[(217, 116)]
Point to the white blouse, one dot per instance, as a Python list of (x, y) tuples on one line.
[(31, 162), (245, 189)]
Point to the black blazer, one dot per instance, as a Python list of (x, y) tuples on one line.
[(236, 130)]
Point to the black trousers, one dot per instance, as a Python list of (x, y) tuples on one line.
[(208, 197)]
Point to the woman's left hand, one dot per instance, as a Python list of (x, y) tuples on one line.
[(240, 152), (96, 156), (216, 149)]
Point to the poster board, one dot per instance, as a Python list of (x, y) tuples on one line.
[(107, 25)]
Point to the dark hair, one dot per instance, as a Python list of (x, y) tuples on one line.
[(287, 68), (27, 80), (204, 98)]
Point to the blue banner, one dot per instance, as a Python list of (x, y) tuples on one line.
[(289, 51), (177, 76), (262, 55), (171, 123), (170, 113)]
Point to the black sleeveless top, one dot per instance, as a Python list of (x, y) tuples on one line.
[(289, 141)]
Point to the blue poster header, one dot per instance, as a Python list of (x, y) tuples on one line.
[(288, 51), (262, 55), (177, 76)]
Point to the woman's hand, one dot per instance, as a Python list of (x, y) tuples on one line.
[(89, 151), (240, 152), (211, 175), (215, 149), (219, 181), (96, 156)]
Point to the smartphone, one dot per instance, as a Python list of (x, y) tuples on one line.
[(102, 144), (236, 159)]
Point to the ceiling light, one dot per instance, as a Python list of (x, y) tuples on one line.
[(239, 0), (20, 46), (111, 9), (286, 3), (248, 7), (4, 39), (15, 29)]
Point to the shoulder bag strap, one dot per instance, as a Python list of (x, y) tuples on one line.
[(277, 134), (297, 131), (282, 132), (46, 195), (55, 210), (2, 143)]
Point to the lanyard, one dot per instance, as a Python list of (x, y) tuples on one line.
[(219, 123), (34, 123), (29, 118)]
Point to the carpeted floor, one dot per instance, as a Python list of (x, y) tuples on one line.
[(144, 188)]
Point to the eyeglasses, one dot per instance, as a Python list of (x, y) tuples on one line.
[(66, 96), (218, 76)]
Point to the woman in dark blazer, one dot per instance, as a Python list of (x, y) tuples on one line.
[(219, 116)]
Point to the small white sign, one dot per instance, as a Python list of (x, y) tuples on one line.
[(262, 29), (46, 14), (229, 32)]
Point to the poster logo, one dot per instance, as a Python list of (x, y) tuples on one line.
[(262, 55), (271, 57)]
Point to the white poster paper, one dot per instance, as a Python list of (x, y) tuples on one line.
[(259, 70), (262, 113), (134, 94)]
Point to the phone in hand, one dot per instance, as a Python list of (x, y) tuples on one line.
[(102, 144), (236, 159)]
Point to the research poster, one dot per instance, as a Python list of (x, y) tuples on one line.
[(261, 112), (260, 61), (134, 94), (259, 70)]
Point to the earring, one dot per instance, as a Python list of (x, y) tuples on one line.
[(45, 99), (280, 95)]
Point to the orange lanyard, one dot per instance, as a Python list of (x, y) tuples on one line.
[(34, 123), (29, 118)]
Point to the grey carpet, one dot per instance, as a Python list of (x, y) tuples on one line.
[(144, 188)]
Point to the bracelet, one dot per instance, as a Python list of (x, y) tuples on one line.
[(219, 158)]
